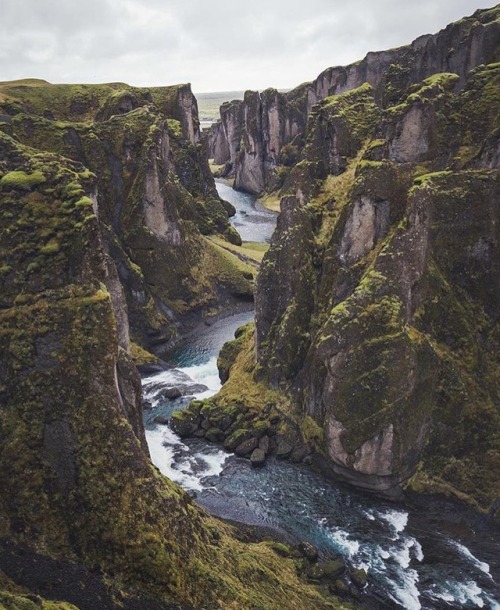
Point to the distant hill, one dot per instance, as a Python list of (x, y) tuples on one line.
[(209, 103)]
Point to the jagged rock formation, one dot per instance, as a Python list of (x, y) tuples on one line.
[(377, 304), (378, 301), (153, 190), (259, 137), (84, 515)]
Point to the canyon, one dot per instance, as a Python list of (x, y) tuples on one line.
[(373, 359)]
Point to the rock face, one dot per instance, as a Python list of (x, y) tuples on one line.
[(153, 192), (378, 302), (260, 135), (84, 515)]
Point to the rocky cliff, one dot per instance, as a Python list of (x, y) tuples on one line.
[(377, 306), (259, 138), (153, 189), (84, 515), (378, 301)]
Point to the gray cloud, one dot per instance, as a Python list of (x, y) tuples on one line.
[(217, 45)]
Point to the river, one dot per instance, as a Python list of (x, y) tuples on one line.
[(424, 554)]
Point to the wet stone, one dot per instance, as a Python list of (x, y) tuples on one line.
[(246, 447), (284, 449), (172, 393), (359, 577), (214, 435), (264, 444), (258, 458)]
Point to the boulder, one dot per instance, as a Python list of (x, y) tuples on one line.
[(236, 438), (298, 454), (264, 444), (246, 447), (284, 449), (309, 551), (184, 423), (214, 435), (258, 458), (160, 419), (172, 393), (359, 577), (326, 571)]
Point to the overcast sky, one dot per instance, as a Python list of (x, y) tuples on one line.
[(217, 45)]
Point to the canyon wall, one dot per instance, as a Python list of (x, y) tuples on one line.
[(104, 205), (258, 138)]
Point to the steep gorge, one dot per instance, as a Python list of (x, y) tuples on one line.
[(377, 303), (377, 335), (103, 207), (259, 138)]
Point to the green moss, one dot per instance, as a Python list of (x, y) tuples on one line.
[(175, 127), (22, 180), (9, 601), (141, 356)]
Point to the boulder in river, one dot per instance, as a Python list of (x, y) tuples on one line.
[(284, 449), (246, 447), (236, 438), (160, 419), (359, 577), (326, 571), (264, 444), (184, 424), (258, 458), (172, 393)]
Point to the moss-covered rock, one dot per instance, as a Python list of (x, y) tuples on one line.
[(154, 194), (386, 332), (77, 484)]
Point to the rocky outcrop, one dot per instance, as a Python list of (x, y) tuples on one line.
[(84, 515), (267, 123), (377, 303), (154, 193)]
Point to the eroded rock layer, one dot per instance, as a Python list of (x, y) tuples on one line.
[(259, 138), (377, 305), (94, 214)]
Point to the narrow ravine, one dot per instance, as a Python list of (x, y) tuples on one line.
[(427, 554)]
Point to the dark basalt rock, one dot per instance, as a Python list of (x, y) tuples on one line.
[(246, 447), (258, 458), (309, 551), (172, 393)]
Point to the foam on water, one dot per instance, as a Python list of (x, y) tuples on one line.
[(463, 593), (345, 545), (481, 565), (418, 552), (402, 554), (406, 592), (189, 471), (397, 520), (206, 374)]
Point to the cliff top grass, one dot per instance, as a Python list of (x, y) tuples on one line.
[(250, 253), (82, 102)]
